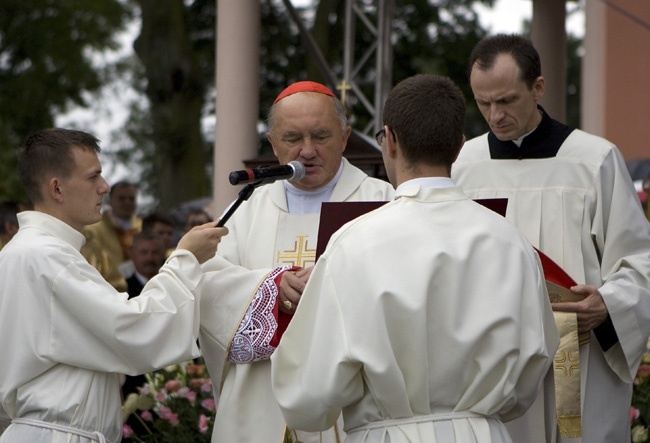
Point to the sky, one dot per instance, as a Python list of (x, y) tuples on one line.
[(508, 16), (108, 112)]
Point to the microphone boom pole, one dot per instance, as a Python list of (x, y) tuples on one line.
[(244, 194)]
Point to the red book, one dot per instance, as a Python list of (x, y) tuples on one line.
[(334, 215), (558, 281)]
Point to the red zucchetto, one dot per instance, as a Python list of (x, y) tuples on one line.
[(304, 86)]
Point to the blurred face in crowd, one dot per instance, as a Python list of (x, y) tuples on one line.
[(148, 256), (196, 219), (123, 201), (165, 232), (502, 96), (308, 129), (81, 194)]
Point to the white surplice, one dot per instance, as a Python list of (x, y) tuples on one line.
[(67, 334), (580, 208), (431, 304), (263, 235)]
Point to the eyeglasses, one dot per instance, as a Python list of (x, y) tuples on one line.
[(380, 135)]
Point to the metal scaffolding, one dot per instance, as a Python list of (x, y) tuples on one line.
[(375, 62)]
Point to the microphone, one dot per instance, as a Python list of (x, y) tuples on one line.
[(292, 171)]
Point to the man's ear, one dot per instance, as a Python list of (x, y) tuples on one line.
[(391, 143), (538, 88), (53, 189), (270, 139), (346, 137)]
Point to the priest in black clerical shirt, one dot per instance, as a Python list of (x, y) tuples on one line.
[(570, 194)]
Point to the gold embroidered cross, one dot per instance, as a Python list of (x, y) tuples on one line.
[(343, 86), (566, 363), (300, 255)]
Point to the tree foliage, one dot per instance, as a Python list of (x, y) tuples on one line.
[(428, 36), (45, 66), (437, 39), (176, 47)]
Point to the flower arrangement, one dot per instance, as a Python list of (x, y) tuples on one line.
[(640, 409), (176, 404)]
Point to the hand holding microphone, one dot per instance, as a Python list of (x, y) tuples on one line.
[(294, 170)]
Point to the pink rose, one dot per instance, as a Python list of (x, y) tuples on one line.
[(160, 396), (209, 404), (207, 386), (146, 415), (203, 423), (196, 383), (194, 369), (173, 385), (126, 431), (182, 392), (191, 396), (167, 414), (634, 413)]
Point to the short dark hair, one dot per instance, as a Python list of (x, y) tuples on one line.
[(198, 211), (122, 184), (426, 113), (520, 48), (8, 211), (50, 151), (156, 217), (146, 236)]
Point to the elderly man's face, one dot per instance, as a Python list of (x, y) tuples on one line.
[(308, 130)]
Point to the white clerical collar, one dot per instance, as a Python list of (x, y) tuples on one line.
[(53, 226), (426, 182), (520, 140), (300, 201)]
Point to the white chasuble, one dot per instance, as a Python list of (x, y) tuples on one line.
[(263, 237)]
